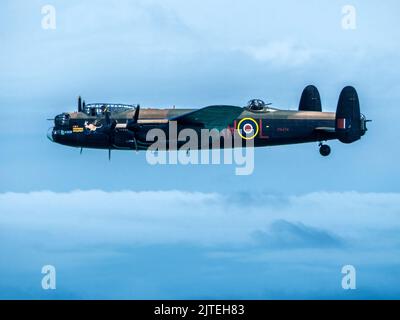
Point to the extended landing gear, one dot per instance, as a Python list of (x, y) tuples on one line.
[(324, 149)]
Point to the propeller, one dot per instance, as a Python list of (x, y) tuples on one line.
[(109, 129), (133, 126)]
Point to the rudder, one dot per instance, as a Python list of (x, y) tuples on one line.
[(348, 116)]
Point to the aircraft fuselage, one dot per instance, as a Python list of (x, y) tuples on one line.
[(271, 128)]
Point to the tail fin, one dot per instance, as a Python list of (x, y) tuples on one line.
[(349, 124), (310, 99)]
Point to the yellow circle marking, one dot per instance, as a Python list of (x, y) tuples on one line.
[(254, 135)]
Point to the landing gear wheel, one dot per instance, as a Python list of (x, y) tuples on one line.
[(324, 150)]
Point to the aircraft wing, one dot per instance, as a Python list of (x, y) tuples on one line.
[(212, 117)]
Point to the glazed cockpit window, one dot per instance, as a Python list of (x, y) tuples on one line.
[(94, 109)]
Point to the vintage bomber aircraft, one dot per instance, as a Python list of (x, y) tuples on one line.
[(116, 126)]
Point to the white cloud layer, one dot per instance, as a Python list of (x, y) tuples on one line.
[(281, 53), (174, 244), (168, 217)]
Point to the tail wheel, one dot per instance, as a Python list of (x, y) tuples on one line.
[(324, 150)]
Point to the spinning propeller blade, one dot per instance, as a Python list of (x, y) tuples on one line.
[(133, 126)]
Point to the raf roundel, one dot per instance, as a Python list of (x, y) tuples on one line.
[(248, 128)]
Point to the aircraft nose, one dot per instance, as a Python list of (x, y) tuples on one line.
[(50, 134)]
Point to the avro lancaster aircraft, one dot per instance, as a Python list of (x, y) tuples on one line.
[(124, 127)]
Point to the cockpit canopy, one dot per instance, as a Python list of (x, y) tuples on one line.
[(98, 109)]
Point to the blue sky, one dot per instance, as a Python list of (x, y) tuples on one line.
[(126, 229)]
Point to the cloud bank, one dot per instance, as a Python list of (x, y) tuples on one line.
[(175, 244), (205, 219)]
